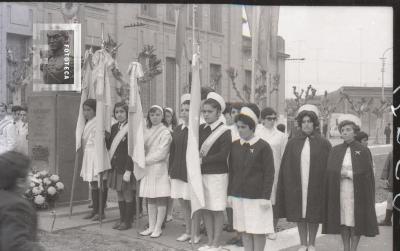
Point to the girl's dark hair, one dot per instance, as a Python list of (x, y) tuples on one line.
[(313, 117), (246, 120), (267, 111), (213, 103), (254, 108), (186, 102), (228, 108), (123, 105), (236, 106), (361, 135), (90, 103), (205, 91), (13, 165), (151, 110), (356, 128), (174, 121), (16, 108)]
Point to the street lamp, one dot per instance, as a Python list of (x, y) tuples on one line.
[(383, 71)]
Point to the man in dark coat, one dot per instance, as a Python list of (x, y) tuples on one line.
[(18, 220), (387, 176), (388, 132)]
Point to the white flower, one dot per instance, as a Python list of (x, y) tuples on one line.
[(60, 186), (44, 173), (41, 188), (51, 191), (36, 190), (46, 181), (36, 175), (33, 184), (39, 200), (54, 178)]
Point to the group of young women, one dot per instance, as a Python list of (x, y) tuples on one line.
[(247, 166)]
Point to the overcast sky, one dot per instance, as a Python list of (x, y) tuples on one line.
[(329, 38)]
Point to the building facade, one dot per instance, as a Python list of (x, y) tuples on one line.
[(218, 28)]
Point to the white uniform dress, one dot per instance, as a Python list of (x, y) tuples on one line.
[(277, 141), (347, 193), (7, 135), (22, 138), (156, 183), (305, 174), (90, 167)]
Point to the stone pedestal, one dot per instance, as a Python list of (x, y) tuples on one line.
[(52, 121)]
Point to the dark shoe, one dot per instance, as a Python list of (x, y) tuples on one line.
[(95, 202), (90, 215), (127, 223), (121, 206), (239, 243), (97, 217), (233, 241), (228, 228), (124, 226), (163, 226)]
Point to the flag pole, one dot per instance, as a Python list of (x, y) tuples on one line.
[(73, 184), (194, 50), (253, 54)]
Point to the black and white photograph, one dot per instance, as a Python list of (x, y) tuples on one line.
[(207, 127), (57, 48)]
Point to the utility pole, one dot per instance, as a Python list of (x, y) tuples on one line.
[(360, 29), (383, 72)]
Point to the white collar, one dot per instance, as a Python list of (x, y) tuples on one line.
[(183, 126), (213, 125), (251, 142)]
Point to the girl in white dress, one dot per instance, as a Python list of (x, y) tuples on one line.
[(277, 140), (251, 175), (155, 186)]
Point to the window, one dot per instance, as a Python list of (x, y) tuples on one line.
[(170, 75), (215, 77), (170, 12), (149, 10), (199, 14), (216, 17)]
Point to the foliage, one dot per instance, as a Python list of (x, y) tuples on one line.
[(151, 64)]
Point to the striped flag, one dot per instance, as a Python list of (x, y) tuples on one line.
[(135, 122), (86, 94), (192, 152)]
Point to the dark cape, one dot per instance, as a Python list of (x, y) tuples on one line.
[(364, 191), (289, 189)]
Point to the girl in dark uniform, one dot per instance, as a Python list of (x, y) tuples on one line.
[(121, 178)]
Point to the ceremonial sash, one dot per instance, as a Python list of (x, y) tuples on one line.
[(208, 143), (4, 123), (154, 136), (90, 125), (117, 139)]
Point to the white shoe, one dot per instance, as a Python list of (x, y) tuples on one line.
[(169, 218), (272, 236), (156, 234), (215, 249), (302, 248), (146, 232), (184, 237), (204, 248), (311, 248), (197, 239)]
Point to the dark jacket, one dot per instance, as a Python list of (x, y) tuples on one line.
[(289, 189), (216, 160), (177, 154), (121, 160), (364, 190), (251, 170), (18, 223)]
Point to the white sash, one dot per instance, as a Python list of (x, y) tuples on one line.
[(90, 125), (150, 140), (117, 139), (208, 143)]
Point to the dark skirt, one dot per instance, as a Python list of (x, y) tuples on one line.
[(115, 181)]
